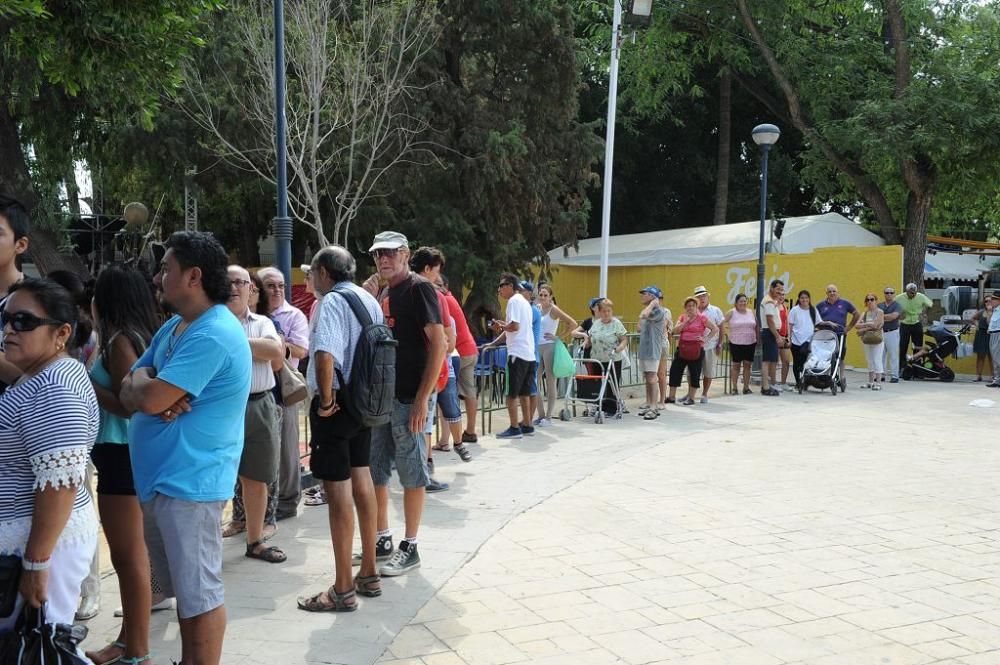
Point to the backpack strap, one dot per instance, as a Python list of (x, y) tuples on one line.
[(354, 302)]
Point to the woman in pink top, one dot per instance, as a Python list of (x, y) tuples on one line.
[(691, 327), (741, 326)]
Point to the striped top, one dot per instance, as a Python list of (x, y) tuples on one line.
[(48, 424)]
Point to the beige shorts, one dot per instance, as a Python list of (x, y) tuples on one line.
[(708, 364), (651, 366), (467, 376)]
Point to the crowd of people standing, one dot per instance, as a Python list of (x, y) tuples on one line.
[(176, 391)]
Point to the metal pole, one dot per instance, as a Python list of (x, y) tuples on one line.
[(282, 223), (609, 147), (763, 216)]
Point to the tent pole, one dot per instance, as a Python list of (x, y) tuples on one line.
[(609, 146)]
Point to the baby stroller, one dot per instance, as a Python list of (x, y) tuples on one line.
[(822, 368), (928, 363), (588, 369)]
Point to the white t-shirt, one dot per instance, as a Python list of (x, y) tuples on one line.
[(716, 316), (520, 344), (801, 323)]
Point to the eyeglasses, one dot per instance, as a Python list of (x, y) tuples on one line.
[(25, 321), (239, 282), (391, 253), (274, 287), (831, 290)]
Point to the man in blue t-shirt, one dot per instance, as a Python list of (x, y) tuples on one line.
[(835, 309), (189, 392)]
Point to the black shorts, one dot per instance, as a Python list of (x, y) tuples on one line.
[(339, 443), (114, 469), (520, 377), (768, 347), (741, 353)]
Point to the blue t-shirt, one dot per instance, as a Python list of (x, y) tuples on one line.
[(837, 312), (536, 326), (195, 457)]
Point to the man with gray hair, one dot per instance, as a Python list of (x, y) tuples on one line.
[(294, 330), (341, 444)]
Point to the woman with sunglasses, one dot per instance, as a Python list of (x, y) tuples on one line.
[(48, 422), (126, 319), (870, 331)]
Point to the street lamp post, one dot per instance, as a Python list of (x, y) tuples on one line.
[(765, 136), (282, 223), (639, 12)]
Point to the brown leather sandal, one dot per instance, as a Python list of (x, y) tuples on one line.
[(370, 586), (329, 601)]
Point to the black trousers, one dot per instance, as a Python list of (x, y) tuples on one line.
[(908, 331), (800, 354)]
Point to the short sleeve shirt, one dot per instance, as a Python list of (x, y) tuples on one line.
[(465, 344), (256, 326), (913, 307), (716, 316), (521, 344), (294, 325), (195, 457), (771, 309), (604, 337), (336, 331), (836, 312), (803, 326), (894, 308), (409, 307), (651, 334)]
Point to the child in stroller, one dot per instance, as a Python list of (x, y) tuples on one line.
[(928, 362)]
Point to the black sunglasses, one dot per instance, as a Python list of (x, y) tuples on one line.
[(391, 253), (26, 321)]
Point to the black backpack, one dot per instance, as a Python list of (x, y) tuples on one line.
[(370, 394)]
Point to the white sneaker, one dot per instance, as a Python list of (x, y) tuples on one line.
[(543, 422)]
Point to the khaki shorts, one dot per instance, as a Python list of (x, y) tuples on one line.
[(467, 376), (708, 364), (649, 366)]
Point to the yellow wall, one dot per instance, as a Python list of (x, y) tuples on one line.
[(855, 271)]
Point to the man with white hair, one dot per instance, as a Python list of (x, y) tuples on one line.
[(911, 326), (293, 327)]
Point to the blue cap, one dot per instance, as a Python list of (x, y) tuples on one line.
[(653, 291), (594, 301), (527, 286)]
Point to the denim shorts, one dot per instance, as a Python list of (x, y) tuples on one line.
[(185, 551), (395, 442), (448, 401), (769, 347)]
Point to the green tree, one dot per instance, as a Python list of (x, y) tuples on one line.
[(895, 102)]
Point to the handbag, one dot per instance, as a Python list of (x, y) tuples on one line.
[(689, 349), (563, 365), (35, 642), (871, 337), (10, 580), (293, 385)]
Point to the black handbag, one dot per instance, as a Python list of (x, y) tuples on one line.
[(10, 580), (35, 642)]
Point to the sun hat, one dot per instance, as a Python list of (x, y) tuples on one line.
[(389, 240), (700, 291)]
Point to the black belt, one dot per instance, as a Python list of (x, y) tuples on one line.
[(261, 395)]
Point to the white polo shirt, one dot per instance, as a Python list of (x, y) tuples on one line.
[(257, 326), (520, 344)]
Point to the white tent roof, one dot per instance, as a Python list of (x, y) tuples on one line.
[(718, 244), (943, 265)]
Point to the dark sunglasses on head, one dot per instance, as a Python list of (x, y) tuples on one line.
[(25, 321)]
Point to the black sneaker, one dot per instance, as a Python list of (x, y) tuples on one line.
[(528, 430), (383, 551), (403, 560), (435, 486), (469, 438)]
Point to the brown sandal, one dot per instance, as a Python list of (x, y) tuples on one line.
[(370, 586), (270, 554), (443, 447), (329, 601), (233, 528)]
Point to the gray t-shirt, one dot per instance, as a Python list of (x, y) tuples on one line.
[(651, 335), (894, 308)]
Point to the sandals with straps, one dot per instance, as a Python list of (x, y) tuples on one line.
[(117, 644), (136, 660), (329, 601), (370, 586), (270, 554)]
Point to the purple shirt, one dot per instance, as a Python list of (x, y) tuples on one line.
[(837, 312), (292, 322)]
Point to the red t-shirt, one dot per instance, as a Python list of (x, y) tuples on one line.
[(464, 344), (783, 330)]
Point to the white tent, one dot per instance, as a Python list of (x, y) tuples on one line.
[(718, 244), (739, 242)]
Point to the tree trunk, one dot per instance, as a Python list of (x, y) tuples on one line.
[(918, 214), (725, 141), (15, 178), (72, 191)]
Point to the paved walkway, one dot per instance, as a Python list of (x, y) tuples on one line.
[(853, 529)]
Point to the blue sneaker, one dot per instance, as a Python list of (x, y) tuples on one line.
[(527, 430), (510, 433)]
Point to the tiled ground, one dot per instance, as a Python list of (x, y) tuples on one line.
[(858, 529), (855, 530)]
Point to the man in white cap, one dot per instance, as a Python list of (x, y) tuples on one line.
[(911, 326), (413, 312), (712, 343)]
